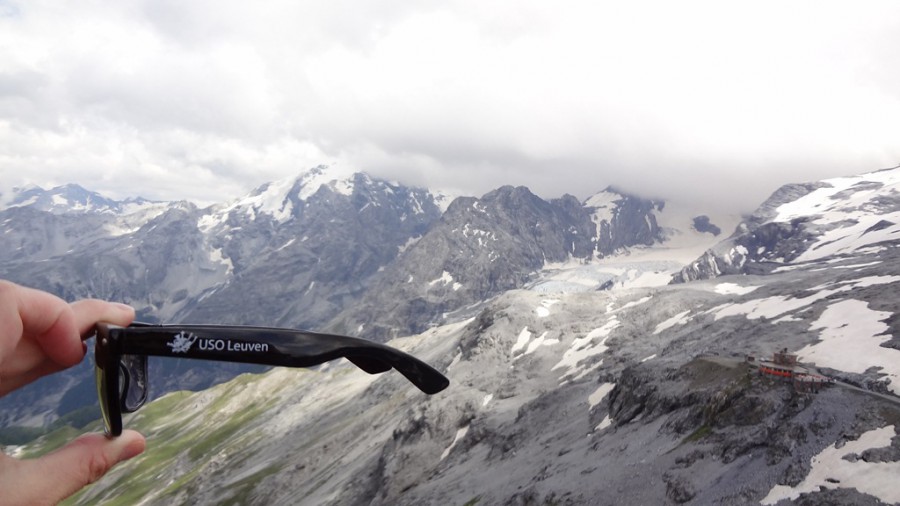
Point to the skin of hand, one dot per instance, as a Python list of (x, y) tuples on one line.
[(41, 334)]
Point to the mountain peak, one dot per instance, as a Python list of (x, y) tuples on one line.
[(277, 198), (60, 199)]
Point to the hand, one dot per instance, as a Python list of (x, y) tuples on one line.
[(41, 334)]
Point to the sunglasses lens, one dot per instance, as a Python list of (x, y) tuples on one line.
[(106, 374), (102, 382), (133, 387)]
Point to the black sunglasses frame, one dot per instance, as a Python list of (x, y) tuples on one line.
[(121, 357)]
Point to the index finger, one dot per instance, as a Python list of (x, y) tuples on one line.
[(90, 311), (29, 313)]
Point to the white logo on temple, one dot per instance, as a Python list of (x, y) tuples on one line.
[(182, 342)]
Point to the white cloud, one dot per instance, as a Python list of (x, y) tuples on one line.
[(702, 100)]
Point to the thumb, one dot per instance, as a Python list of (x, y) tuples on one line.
[(85, 460)]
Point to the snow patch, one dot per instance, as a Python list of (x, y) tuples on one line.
[(544, 310), (830, 469), (287, 244), (679, 319), (461, 433), (217, 256), (540, 341), (599, 394), (405, 246), (875, 280), (524, 342), (733, 289), (521, 341), (446, 279), (455, 360), (635, 303), (584, 348)]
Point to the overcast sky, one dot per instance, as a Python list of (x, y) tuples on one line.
[(720, 102)]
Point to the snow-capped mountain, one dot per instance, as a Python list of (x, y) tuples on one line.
[(67, 199), (634, 394), (321, 250), (291, 254), (303, 251), (805, 223)]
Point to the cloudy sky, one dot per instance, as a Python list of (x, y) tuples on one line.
[(718, 102)]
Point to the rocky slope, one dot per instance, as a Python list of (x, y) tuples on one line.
[(629, 395)]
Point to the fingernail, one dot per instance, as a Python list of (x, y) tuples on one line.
[(123, 307), (131, 450)]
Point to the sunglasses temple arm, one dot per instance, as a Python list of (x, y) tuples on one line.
[(371, 357)]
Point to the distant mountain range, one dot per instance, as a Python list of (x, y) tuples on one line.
[(299, 252), (596, 350), (353, 254)]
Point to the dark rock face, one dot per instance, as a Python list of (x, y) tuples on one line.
[(483, 247), (754, 252), (703, 225), (632, 224), (837, 497)]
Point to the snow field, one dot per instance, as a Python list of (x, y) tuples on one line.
[(848, 207), (851, 336), (822, 202), (773, 307)]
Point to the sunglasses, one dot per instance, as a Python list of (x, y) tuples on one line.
[(121, 357)]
